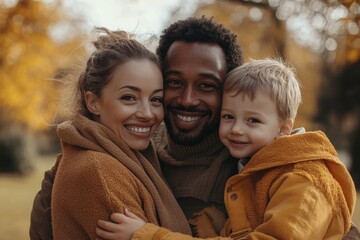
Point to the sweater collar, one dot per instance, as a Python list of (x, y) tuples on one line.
[(208, 146), (307, 146)]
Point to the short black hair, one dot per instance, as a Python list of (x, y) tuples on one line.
[(202, 30)]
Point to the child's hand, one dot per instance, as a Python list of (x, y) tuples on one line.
[(122, 228)]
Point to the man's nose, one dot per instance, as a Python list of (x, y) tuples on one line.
[(188, 98)]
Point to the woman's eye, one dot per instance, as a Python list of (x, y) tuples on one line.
[(157, 99), (128, 98)]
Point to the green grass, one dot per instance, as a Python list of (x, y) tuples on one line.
[(17, 194), (16, 197)]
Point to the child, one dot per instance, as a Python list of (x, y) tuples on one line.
[(289, 186)]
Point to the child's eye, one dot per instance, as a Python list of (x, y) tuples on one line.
[(253, 120), (227, 116)]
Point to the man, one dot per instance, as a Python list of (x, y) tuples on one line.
[(195, 54)]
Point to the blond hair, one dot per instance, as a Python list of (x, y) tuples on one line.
[(272, 76)]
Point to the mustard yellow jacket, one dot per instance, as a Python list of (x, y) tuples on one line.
[(294, 188)]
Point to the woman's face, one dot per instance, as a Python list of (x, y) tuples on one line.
[(131, 103)]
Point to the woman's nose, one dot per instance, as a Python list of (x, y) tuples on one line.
[(144, 111)]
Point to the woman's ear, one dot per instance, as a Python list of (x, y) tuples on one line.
[(92, 103), (286, 127)]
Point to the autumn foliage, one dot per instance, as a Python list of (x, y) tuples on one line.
[(29, 58)]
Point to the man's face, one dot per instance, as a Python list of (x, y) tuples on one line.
[(193, 79)]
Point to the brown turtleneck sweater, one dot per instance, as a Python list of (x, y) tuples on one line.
[(196, 174)]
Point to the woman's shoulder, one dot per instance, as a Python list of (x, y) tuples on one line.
[(94, 172), (88, 163)]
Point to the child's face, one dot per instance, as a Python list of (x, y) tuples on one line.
[(248, 125)]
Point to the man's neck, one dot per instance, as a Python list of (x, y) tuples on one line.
[(209, 145)]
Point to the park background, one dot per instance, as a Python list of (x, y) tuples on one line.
[(42, 42)]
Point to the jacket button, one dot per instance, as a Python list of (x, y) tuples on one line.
[(228, 189), (233, 196)]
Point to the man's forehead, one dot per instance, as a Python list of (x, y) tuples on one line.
[(196, 47), (196, 54)]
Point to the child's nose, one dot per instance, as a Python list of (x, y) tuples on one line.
[(237, 129)]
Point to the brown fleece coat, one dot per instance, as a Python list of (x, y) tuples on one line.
[(98, 175)]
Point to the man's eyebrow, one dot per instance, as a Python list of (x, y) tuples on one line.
[(204, 74), (212, 76), (168, 72)]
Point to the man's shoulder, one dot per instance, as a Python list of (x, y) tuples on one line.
[(160, 136)]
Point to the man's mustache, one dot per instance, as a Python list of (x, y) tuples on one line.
[(186, 109)]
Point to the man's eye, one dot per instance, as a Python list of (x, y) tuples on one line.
[(173, 83), (207, 87)]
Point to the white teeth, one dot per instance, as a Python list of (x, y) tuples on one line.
[(138, 129), (187, 119)]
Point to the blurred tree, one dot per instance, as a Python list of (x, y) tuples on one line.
[(340, 111), (33, 46), (330, 26), (330, 29), (29, 57)]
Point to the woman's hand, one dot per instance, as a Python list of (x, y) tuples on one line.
[(122, 227)]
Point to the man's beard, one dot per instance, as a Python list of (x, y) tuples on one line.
[(185, 137), (182, 138)]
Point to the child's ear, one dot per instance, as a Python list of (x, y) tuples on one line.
[(286, 127), (92, 103)]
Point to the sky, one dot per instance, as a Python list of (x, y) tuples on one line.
[(136, 16)]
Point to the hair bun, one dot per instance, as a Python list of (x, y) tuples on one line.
[(106, 38)]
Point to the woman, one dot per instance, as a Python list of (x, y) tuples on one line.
[(108, 163)]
